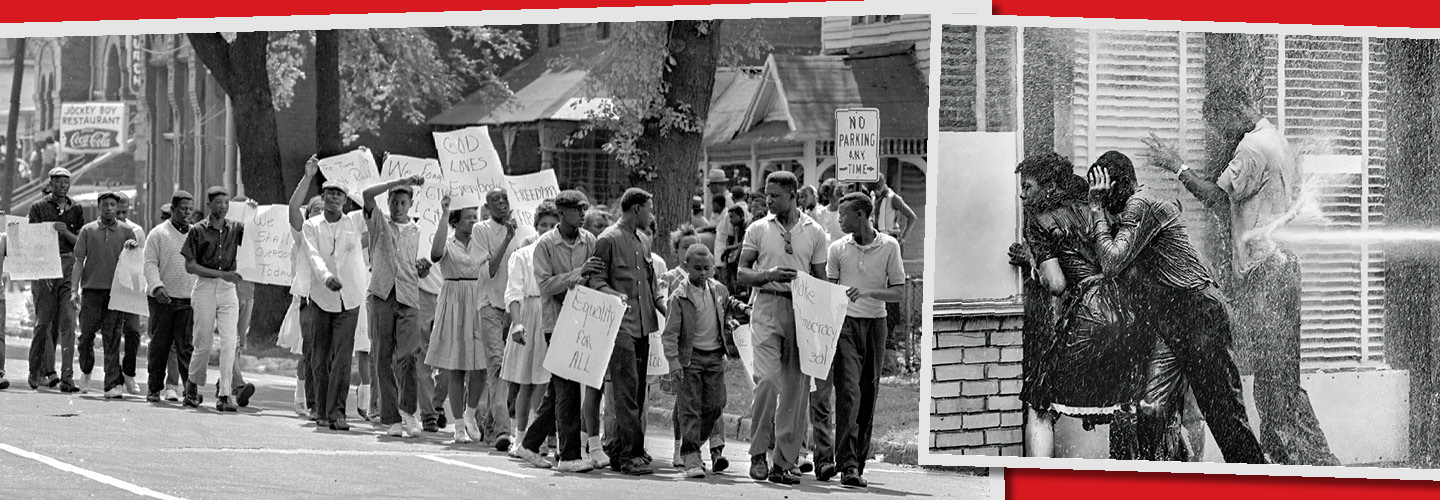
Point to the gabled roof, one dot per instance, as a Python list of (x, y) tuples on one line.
[(729, 102), (540, 93)]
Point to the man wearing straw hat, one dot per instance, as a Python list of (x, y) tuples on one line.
[(1259, 190)]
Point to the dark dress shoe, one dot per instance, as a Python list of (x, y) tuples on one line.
[(193, 399), (67, 386), (243, 394), (224, 405), (853, 479), (826, 472), (759, 470), (4, 384), (782, 476), (339, 425), (440, 420), (153, 397), (719, 464), (430, 426)]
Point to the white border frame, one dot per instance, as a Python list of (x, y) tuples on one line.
[(820, 9), (928, 458)]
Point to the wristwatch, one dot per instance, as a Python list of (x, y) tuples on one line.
[(1181, 170)]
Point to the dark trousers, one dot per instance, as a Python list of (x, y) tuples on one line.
[(625, 402), (96, 317), (821, 442), (170, 330), (334, 340), (130, 331), (560, 410), (699, 402), (859, 359), (54, 326), (1267, 313), (395, 344), (1160, 435), (307, 352), (1196, 326)]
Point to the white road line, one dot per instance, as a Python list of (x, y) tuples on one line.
[(95, 476), (473, 466)]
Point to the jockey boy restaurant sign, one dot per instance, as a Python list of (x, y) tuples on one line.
[(92, 127)]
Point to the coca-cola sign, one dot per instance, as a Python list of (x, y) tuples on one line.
[(92, 127)]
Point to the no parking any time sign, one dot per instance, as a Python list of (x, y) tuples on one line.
[(857, 145)]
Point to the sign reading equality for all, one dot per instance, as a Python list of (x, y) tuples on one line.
[(820, 308), (356, 170), (92, 127), (584, 336), (857, 145), (425, 207), (470, 164)]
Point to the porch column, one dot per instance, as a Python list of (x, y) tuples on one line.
[(812, 171)]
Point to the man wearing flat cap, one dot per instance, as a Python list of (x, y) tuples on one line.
[(54, 312), (96, 254)]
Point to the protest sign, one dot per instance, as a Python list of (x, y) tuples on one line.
[(584, 336), (92, 127), (658, 364), (525, 193), (745, 343), (470, 165), (820, 308), (356, 170), (11, 220), (425, 207), (33, 253), (128, 288), (240, 211), (265, 251)]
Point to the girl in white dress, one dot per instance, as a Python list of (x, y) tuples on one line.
[(525, 350), (456, 344)]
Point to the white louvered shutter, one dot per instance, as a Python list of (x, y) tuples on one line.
[(1131, 83), (1316, 92)]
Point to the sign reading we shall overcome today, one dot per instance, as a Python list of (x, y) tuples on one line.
[(857, 145), (584, 336), (264, 255), (92, 127)]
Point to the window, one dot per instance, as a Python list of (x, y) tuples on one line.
[(552, 35), (602, 31), (859, 20)]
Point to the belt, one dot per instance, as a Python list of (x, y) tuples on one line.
[(462, 279), (775, 293), (720, 350)]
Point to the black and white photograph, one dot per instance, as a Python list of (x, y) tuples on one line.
[(1182, 247), (541, 254)]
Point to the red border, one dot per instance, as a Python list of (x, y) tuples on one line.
[(1023, 484)]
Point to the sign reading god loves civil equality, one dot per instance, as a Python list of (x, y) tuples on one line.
[(425, 207), (92, 127), (356, 170), (584, 336), (33, 252), (857, 145), (470, 165), (820, 308), (264, 255), (525, 193)]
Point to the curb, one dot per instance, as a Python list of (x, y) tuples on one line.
[(738, 428)]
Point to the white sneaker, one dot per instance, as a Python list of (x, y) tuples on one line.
[(397, 430), (519, 438), (114, 393), (171, 395), (412, 425), (131, 387), (575, 466), (597, 453), (461, 437), (84, 383), (533, 458), (695, 473)]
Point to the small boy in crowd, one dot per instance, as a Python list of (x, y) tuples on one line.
[(697, 338)]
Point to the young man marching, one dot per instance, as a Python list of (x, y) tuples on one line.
[(210, 249), (394, 303), (333, 242), (171, 318), (97, 253)]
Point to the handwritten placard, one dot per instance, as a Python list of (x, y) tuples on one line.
[(33, 253), (265, 252), (820, 308), (657, 362), (745, 343), (584, 336), (525, 193), (11, 220), (470, 163), (356, 170), (240, 212), (127, 288), (425, 207)]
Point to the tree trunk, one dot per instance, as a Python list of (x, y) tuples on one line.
[(327, 93), (1412, 310), (675, 155), (239, 68), (7, 180)]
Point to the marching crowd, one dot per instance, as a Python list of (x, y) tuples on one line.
[(470, 321)]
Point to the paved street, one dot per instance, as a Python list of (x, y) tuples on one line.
[(62, 446)]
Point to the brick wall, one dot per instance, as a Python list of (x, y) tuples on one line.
[(975, 406)]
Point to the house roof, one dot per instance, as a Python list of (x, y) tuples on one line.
[(730, 99), (540, 93), (808, 89)]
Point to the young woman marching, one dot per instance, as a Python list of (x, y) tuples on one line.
[(456, 345), (525, 350)]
